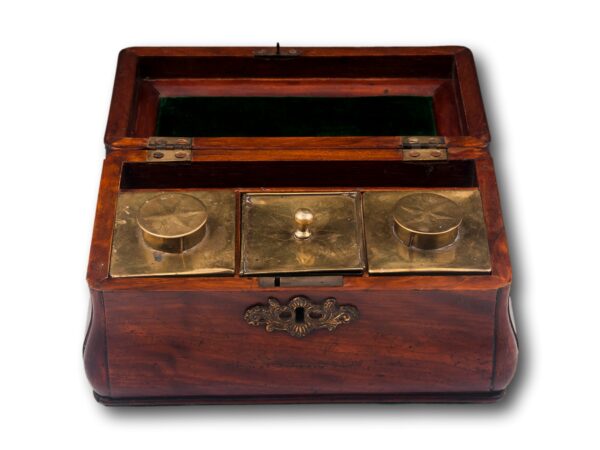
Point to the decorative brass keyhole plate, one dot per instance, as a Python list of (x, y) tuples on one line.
[(300, 316)]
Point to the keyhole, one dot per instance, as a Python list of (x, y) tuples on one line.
[(299, 315)]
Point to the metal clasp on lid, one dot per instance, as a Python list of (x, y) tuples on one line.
[(276, 53)]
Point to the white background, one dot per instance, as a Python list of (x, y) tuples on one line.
[(539, 72)]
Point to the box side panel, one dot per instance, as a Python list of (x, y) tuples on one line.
[(198, 344), (94, 346), (507, 346)]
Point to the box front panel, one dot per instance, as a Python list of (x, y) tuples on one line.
[(201, 344)]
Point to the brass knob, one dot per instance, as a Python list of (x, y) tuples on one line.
[(427, 221), (304, 218), (172, 222)]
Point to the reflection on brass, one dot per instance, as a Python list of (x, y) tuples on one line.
[(300, 316), (169, 143), (168, 155), (425, 154), (167, 233), (398, 223), (172, 222), (426, 221), (426, 142), (301, 233), (304, 218)]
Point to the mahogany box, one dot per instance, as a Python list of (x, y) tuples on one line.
[(298, 225)]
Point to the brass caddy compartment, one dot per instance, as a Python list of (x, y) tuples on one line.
[(425, 231), (309, 235), (173, 233), (291, 233)]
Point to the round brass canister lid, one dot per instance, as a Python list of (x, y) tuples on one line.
[(172, 222), (427, 221)]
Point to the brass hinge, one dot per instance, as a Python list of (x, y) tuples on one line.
[(424, 148), (169, 143), (169, 149)]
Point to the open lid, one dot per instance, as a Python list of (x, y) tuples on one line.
[(328, 97)]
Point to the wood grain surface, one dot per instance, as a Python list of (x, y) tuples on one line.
[(176, 340)]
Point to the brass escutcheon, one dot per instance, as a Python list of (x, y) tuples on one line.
[(300, 316)]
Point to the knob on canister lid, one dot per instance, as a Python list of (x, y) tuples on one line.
[(304, 218), (172, 222), (427, 221)]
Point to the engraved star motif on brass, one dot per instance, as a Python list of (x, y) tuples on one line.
[(172, 215), (428, 213)]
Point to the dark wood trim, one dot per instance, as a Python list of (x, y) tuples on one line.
[(291, 87), (442, 397), (448, 111), (121, 104), (305, 51), (492, 211), (143, 123), (470, 93), (371, 145)]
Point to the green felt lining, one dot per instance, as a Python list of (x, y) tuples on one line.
[(295, 116)]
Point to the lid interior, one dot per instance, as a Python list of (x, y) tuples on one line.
[(230, 93), (295, 116)]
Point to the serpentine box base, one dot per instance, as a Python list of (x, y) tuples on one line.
[(267, 258), (165, 347)]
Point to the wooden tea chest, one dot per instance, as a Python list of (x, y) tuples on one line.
[(280, 225)]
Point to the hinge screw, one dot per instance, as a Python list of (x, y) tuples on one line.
[(436, 153), (180, 155), (414, 154), (158, 155)]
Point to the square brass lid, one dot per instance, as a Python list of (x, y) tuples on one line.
[(161, 233), (452, 236), (288, 233)]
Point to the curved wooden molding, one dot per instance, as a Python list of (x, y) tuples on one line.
[(506, 344), (94, 347)]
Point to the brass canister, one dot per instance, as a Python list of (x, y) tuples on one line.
[(426, 220)]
